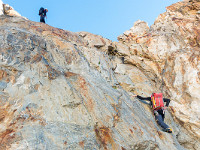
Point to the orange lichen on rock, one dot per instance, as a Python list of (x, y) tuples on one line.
[(37, 58), (52, 73), (7, 135), (160, 134), (116, 117), (104, 137), (3, 74), (69, 74), (81, 144), (83, 85)]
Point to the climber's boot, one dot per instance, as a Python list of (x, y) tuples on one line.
[(168, 130)]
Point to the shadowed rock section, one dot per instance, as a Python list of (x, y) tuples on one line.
[(65, 90)]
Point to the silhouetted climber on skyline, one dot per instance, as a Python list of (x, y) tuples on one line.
[(43, 14), (157, 103)]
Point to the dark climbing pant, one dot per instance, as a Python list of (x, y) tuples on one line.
[(160, 120), (42, 19)]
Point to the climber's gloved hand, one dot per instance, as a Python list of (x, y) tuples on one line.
[(134, 95), (156, 113)]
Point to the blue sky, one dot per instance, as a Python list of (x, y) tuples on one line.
[(109, 18)]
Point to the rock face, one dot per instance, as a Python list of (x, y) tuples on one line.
[(168, 55), (64, 90), (6, 9), (1, 7)]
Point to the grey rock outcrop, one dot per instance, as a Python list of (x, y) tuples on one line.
[(1, 7), (8, 10), (168, 58), (65, 90)]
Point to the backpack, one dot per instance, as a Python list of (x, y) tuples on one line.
[(41, 11), (157, 101)]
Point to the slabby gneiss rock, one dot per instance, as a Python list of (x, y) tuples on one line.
[(65, 90), (168, 55)]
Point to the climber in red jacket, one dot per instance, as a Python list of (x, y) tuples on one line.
[(157, 103)]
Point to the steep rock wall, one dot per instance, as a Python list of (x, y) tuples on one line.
[(64, 90), (168, 54)]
